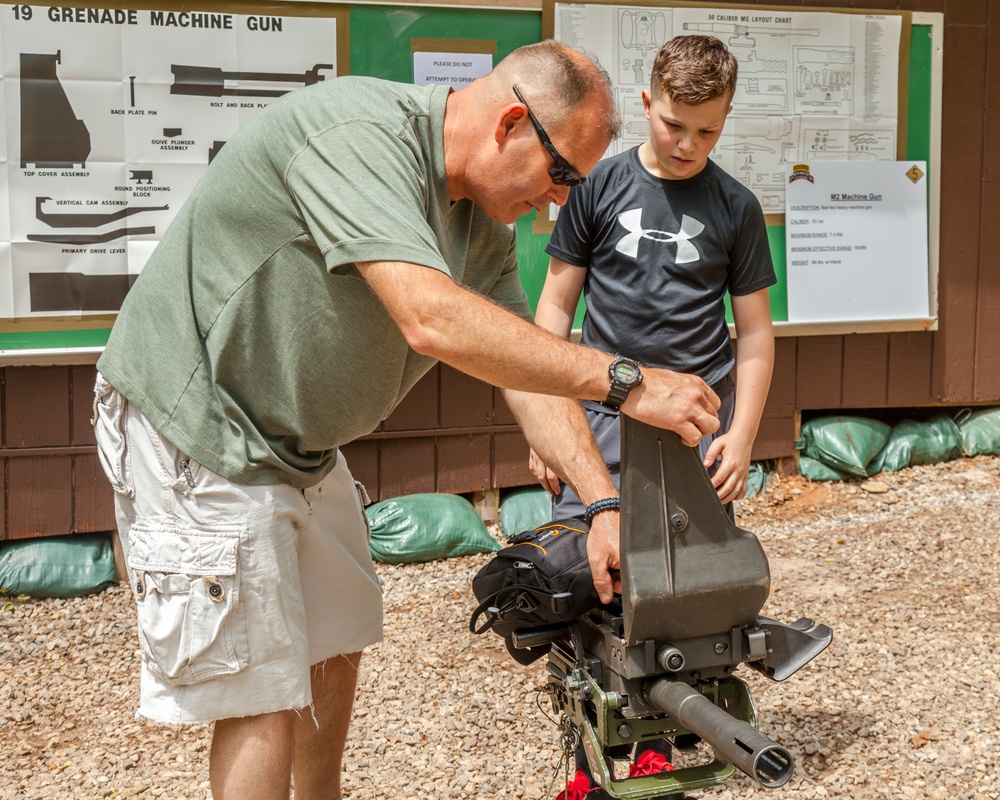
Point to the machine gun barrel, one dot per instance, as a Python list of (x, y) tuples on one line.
[(734, 741)]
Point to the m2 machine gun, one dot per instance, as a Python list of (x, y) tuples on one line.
[(659, 662)]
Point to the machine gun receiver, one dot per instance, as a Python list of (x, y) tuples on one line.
[(658, 663)]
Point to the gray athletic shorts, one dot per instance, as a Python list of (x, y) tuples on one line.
[(239, 589)]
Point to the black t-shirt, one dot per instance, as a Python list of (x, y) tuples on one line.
[(660, 257)]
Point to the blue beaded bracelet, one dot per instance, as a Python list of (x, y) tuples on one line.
[(595, 508)]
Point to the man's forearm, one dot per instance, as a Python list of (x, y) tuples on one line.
[(444, 321), (471, 333), (557, 430)]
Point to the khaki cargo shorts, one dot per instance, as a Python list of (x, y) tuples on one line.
[(239, 589)]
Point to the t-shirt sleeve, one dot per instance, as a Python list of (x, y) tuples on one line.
[(360, 190), (750, 264), (573, 235)]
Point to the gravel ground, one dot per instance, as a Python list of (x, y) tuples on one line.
[(902, 705)]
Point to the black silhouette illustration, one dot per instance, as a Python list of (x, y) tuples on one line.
[(74, 291), (51, 134), (87, 220), (88, 238), (212, 81)]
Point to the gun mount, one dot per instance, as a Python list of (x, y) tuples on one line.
[(659, 662)]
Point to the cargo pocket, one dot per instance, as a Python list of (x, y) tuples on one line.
[(112, 441), (192, 626)]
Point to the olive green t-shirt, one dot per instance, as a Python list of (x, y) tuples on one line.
[(249, 339)]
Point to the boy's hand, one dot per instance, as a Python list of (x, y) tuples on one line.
[(546, 477), (603, 554), (733, 470)]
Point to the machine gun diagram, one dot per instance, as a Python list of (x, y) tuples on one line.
[(825, 80), (51, 134), (641, 32), (659, 662), (215, 82)]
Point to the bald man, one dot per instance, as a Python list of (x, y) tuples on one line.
[(344, 241)]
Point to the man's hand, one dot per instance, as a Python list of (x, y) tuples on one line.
[(546, 477), (603, 554), (681, 403)]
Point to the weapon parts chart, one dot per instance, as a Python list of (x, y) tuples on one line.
[(812, 85), (112, 115)]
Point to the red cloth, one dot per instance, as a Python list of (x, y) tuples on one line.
[(578, 788), (650, 763)]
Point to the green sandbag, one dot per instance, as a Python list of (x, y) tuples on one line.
[(524, 510), (981, 432), (848, 444), (58, 566), (757, 479), (426, 527), (818, 471), (912, 443)]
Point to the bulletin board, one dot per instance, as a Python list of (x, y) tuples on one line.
[(815, 85), (380, 41), (112, 113)]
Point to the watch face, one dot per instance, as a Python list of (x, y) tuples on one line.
[(626, 373)]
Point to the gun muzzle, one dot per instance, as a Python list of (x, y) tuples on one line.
[(734, 741)]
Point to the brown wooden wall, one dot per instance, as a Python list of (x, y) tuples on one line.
[(451, 434), (52, 481), (454, 434)]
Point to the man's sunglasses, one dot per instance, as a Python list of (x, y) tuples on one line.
[(562, 173)]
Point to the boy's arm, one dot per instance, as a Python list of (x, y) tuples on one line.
[(556, 310), (754, 363), (560, 297)]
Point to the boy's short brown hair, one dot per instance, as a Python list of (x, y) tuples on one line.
[(693, 70)]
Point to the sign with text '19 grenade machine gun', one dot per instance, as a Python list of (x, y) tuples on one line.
[(659, 661)]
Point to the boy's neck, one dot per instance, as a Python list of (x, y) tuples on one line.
[(652, 165)]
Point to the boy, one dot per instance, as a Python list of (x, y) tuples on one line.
[(654, 239)]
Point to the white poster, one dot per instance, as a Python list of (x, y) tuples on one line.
[(112, 115), (451, 69), (812, 85), (856, 241)]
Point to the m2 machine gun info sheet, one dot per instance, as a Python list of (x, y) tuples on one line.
[(856, 241)]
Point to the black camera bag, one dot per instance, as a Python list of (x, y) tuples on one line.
[(542, 577)]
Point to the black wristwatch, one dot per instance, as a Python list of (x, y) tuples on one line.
[(625, 376)]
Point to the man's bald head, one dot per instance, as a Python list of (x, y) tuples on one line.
[(557, 80), (494, 155)]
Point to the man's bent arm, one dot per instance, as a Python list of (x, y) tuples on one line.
[(557, 430), (445, 321), (556, 310)]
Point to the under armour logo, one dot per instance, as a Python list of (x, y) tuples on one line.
[(632, 221)]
